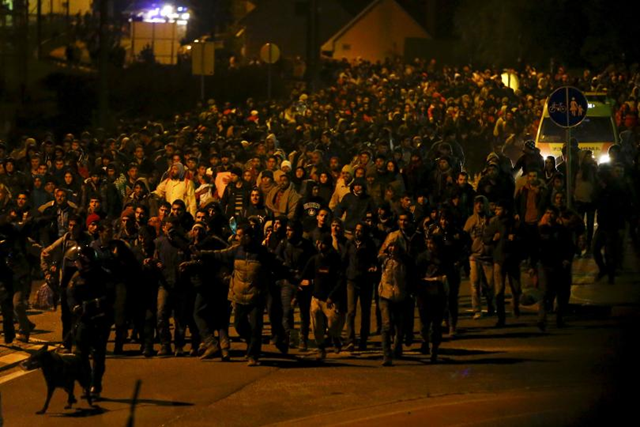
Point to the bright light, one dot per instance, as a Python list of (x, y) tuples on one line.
[(188, 47), (184, 16), (604, 158), (167, 10), (510, 80)]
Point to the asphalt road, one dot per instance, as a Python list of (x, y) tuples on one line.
[(585, 374), (579, 375)]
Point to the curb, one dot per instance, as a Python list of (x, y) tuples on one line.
[(19, 354)]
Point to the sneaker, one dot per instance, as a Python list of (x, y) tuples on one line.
[(387, 361), (337, 345), (253, 362), (179, 352), (477, 316), (147, 351), (424, 348), (397, 352), (283, 347), (350, 348), (95, 392), (165, 351), (193, 352), (226, 357), (23, 337), (210, 352), (322, 354), (303, 345), (8, 338)]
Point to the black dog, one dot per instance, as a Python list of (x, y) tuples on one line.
[(60, 372)]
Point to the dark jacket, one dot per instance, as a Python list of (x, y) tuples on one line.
[(326, 272), (359, 257)]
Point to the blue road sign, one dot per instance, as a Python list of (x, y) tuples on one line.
[(567, 106)]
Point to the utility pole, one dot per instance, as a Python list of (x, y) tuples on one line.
[(39, 29), (313, 50), (103, 65)]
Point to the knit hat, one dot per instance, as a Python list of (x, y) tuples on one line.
[(285, 163), (347, 168), (530, 145), (92, 218)]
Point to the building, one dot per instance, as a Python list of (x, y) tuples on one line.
[(377, 32)]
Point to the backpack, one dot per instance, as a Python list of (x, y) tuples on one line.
[(46, 298)]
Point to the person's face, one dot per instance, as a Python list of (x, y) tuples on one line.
[(431, 245), (175, 159), (59, 164), (462, 180), (443, 164), (126, 222), (403, 222), (93, 228), (358, 232), (405, 202), (254, 197), (321, 218), (558, 200), (94, 205), (243, 238), (42, 169), (106, 234), (315, 191), (61, 197), (357, 190), (324, 178), (74, 227), (548, 164), (336, 228), (291, 234), (346, 176), (141, 216), (35, 162), (247, 176), (380, 163), (95, 179), (139, 153), (21, 200), (364, 158), (174, 173), (277, 225), (167, 227), (493, 171), (360, 172), (177, 210), (391, 167), (163, 212), (334, 164), (271, 164), (284, 182), (499, 211), (201, 217), (532, 177), (551, 216), (68, 178)]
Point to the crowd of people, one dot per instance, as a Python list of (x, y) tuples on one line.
[(377, 193)]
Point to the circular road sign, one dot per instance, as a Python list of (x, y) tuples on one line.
[(270, 53), (567, 106)]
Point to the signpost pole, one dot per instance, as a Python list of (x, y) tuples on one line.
[(569, 156), (269, 72), (202, 74)]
